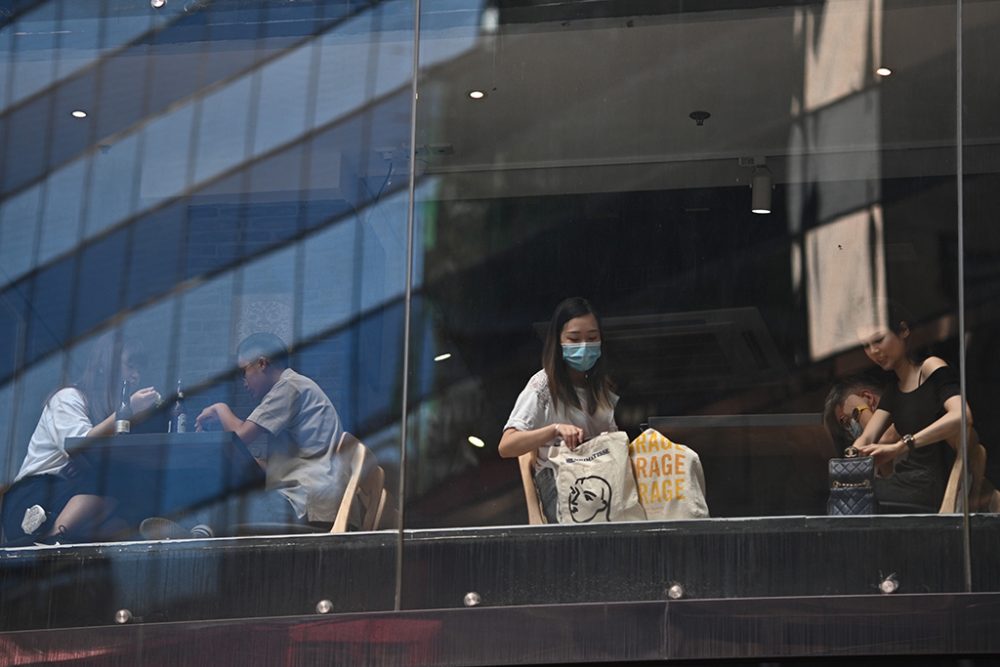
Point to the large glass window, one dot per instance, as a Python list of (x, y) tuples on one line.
[(772, 220), (980, 130), (191, 191), (746, 196)]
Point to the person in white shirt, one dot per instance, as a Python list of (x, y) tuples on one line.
[(570, 400), (50, 499), (293, 433)]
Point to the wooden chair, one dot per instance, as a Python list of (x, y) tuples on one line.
[(388, 514), (364, 496), (526, 462), (363, 501), (952, 501)]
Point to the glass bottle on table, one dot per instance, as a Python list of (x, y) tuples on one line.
[(178, 415), (123, 415)]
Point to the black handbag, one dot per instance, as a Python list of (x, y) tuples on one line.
[(852, 485)]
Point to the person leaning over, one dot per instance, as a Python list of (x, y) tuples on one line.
[(569, 400), (925, 405), (293, 433), (849, 405)]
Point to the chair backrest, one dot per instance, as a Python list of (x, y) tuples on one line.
[(526, 462), (364, 486), (952, 501), (388, 513)]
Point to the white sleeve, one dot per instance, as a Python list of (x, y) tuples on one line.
[(68, 410), (529, 411)]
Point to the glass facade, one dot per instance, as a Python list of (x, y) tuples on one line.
[(781, 212)]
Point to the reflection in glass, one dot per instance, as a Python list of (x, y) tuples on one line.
[(190, 212), (583, 172)]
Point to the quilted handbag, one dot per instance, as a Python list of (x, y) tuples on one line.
[(852, 485)]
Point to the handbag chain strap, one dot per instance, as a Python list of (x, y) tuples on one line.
[(866, 484)]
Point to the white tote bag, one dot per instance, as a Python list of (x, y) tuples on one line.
[(595, 482)]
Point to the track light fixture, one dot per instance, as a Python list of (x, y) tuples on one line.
[(760, 190)]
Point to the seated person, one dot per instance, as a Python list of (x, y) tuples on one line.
[(569, 400), (850, 404), (293, 433), (51, 499)]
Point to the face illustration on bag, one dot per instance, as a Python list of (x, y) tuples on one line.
[(590, 497)]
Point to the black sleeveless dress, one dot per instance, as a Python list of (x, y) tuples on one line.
[(920, 478)]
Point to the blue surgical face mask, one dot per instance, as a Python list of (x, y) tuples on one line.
[(853, 424), (581, 356)]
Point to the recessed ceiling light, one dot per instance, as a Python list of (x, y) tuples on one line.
[(476, 442), (443, 357), (78, 113), (157, 4), (477, 94), (883, 71)]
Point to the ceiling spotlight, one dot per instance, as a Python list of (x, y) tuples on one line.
[(157, 4), (760, 190), (883, 71), (443, 357), (699, 117), (476, 442), (477, 94), (78, 113)]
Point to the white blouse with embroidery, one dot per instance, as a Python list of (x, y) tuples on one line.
[(534, 409)]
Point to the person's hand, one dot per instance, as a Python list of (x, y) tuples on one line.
[(571, 435), (143, 399), (883, 454), (208, 417)]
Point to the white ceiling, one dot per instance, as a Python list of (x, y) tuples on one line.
[(603, 104)]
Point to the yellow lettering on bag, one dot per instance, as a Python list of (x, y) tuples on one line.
[(655, 496), (640, 466), (679, 463), (667, 464), (654, 467), (679, 489), (643, 492)]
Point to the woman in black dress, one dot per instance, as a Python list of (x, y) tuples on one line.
[(925, 406)]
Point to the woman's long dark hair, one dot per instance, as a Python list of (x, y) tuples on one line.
[(101, 379), (598, 385)]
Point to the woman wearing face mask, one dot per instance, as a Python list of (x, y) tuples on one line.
[(70, 508), (568, 401), (924, 405)]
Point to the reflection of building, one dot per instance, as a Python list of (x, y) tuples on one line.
[(246, 165)]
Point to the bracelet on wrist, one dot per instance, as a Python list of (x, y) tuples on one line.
[(909, 442)]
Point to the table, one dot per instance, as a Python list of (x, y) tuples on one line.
[(161, 474)]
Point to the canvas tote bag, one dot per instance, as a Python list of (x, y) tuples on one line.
[(669, 476), (595, 482)]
